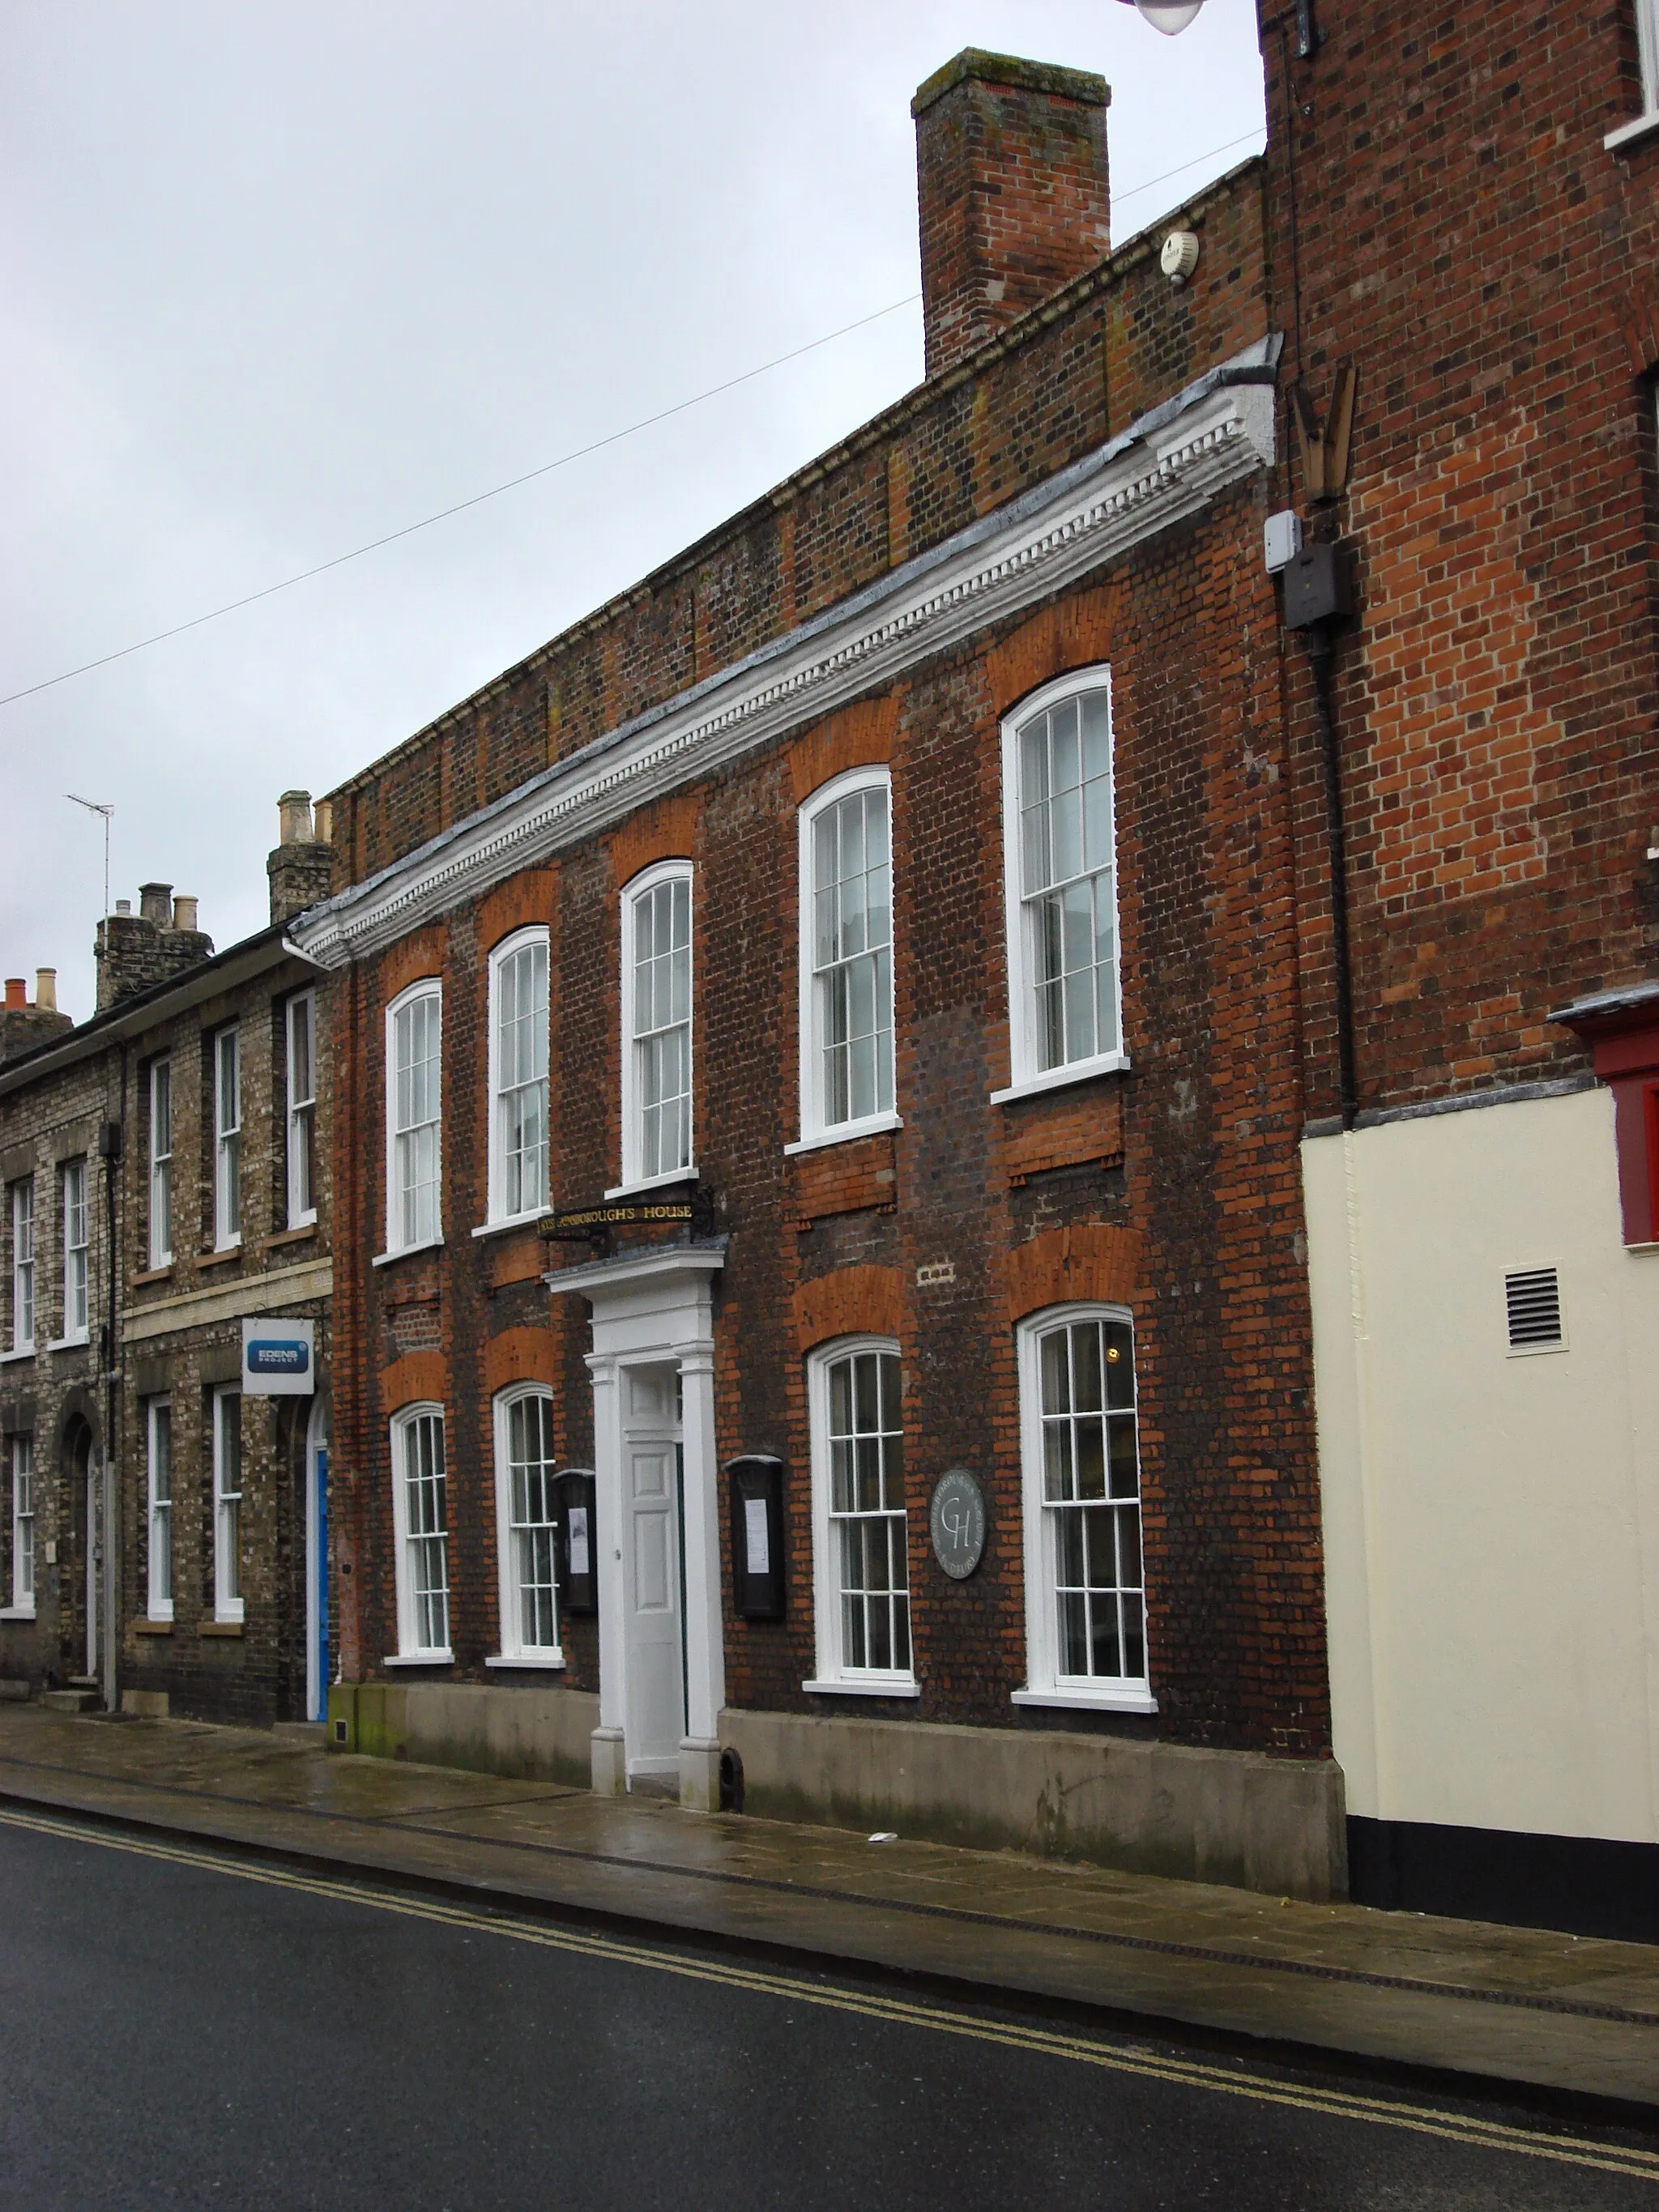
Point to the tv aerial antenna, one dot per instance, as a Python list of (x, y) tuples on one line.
[(93, 806)]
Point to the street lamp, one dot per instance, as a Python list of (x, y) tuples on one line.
[(1167, 15)]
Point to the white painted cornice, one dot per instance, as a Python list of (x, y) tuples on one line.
[(1168, 465)]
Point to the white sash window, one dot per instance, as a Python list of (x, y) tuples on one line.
[(517, 1076), (414, 1117)]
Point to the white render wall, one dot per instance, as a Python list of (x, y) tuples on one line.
[(1491, 1520)]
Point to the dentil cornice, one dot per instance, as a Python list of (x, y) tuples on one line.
[(1167, 465)]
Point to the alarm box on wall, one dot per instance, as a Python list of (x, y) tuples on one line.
[(757, 1536), (572, 1524)]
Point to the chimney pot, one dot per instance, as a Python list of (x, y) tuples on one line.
[(1012, 188), (46, 988), (16, 993), (123, 906), (324, 823), (155, 903), (184, 911), (293, 812)]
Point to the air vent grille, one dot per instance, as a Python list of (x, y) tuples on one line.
[(1534, 1299)]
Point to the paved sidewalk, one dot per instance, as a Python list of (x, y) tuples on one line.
[(1516, 2006)]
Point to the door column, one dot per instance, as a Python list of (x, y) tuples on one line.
[(705, 1642), (609, 1749)]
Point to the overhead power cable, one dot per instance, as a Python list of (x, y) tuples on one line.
[(564, 460)]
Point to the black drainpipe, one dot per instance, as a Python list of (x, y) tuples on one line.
[(1321, 651), (1318, 602)]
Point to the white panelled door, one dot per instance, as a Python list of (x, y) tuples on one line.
[(653, 1570)]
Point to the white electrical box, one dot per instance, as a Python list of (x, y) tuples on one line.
[(1283, 540)]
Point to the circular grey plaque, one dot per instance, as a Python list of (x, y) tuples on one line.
[(955, 1522)]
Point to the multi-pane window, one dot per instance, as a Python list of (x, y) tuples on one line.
[(847, 1006), (301, 1109), (23, 1264), (523, 1441), (161, 1163), (1086, 1586), (518, 975), (414, 1083), (422, 1518), (227, 1140), (74, 1249), (863, 1580), (1062, 952), (160, 1507), (656, 994), (227, 1504), (23, 1524)]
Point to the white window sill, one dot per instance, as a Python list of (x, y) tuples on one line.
[(227, 1244), (894, 1686), (1057, 1079), (548, 1662), (1628, 134), (75, 1343), (303, 1221), (155, 1618), (16, 1612), (846, 1133), (509, 1222), (407, 1251), (17, 1351), (419, 1659), (1131, 1699), (227, 1616), (652, 1182)]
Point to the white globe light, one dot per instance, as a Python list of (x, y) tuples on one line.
[(1168, 16)]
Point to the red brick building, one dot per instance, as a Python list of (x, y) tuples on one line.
[(888, 910), (1465, 207)]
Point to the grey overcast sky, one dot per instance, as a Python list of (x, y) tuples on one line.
[(278, 279)]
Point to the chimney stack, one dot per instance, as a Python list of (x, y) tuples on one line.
[(25, 1027), (1011, 185), (302, 869), (157, 943)]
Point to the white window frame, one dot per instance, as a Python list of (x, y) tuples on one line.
[(834, 1675), (428, 986), (515, 1651), (1027, 1075), (411, 1650), (23, 1315), (816, 1128), (158, 1462), (1646, 40), (228, 1139), (75, 1192), (229, 1604), (21, 1510), (301, 1018), (1045, 1685), (161, 1164), (522, 940), (633, 1176)]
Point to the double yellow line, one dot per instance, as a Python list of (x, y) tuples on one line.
[(1468, 2130)]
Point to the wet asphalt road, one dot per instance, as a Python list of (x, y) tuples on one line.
[(178, 2032)]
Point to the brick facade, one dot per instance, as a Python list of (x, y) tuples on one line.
[(168, 1325), (1172, 1189), (53, 1400), (1465, 238)]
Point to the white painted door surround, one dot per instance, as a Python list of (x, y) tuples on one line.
[(652, 1343)]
